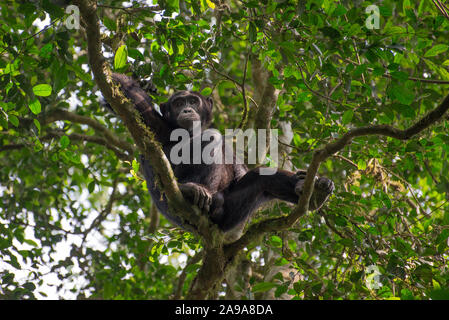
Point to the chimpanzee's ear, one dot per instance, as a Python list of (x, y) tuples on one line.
[(211, 102), (165, 109)]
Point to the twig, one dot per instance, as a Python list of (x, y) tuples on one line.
[(240, 86), (322, 154), (434, 81), (409, 187), (326, 220), (224, 74), (429, 170), (143, 136), (386, 75), (346, 159), (245, 102), (31, 36), (182, 277), (356, 50), (12, 147), (335, 88), (317, 93), (253, 101), (94, 139), (441, 7), (104, 213), (132, 10), (430, 213), (60, 114), (294, 147), (76, 137)]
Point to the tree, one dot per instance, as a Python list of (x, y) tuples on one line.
[(359, 93)]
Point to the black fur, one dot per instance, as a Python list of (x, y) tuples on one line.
[(229, 193)]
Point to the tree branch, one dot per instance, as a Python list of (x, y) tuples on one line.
[(441, 7), (60, 114), (267, 104), (182, 277), (94, 139), (387, 75), (104, 213), (132, 10), (76, 137), (141, 134), (322, 154), (245, 102)]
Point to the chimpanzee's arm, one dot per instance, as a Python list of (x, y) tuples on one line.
[(144, 104)]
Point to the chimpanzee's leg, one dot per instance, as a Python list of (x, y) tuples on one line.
[(248, 193), (253, 189)]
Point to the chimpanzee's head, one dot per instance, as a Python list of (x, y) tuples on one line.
[(184, 107)]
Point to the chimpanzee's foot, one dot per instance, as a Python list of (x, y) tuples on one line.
[(322, 190), (197, 195)]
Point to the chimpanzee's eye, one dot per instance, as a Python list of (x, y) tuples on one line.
[(178, 103), (192, 100)]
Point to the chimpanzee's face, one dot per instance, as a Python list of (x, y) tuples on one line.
[(183, 108)]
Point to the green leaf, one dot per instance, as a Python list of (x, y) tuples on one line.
[(339, 11), (38, 125), (121, 57), (42, 90), (196, 7), (331, 32), (13, 261), (163, 70), (399, 75), (61, 78), (46, 51), (210, 4), (109, 23), (35, 106), (297, 286), (135, 54), (73, 157), (263, 286), (280, 290), (91, 187), (14, 120), (386, 200), (340, 221), (252, 32), (439, 294), (439, 48), (55, 11), (38, 145), (276, 241), (361, 164), (135, 164), (402, 94), (347, 116), (192, 268), (64, 141), (31, 242), (404, 110), (206, 91)]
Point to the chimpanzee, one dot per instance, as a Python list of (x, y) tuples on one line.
[(229, 193)]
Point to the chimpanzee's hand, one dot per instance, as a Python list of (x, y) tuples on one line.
[(323, 188)]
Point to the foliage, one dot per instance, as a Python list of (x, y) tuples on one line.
[(74, 205)]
